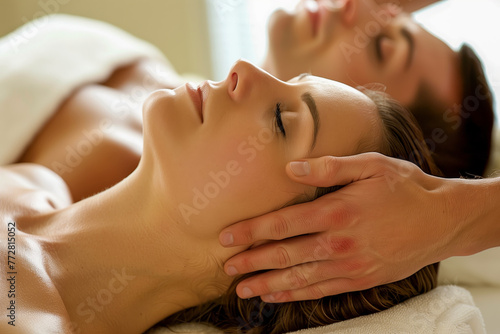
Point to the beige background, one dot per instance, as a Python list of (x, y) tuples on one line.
[(178, 27)]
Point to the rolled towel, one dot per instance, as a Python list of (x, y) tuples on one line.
[(444, 310)]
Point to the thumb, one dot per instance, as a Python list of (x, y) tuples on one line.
[(330, 171)]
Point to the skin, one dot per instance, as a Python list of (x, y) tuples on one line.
[(429, 221), (409, 5), (118, 154), (343, 47), (118, 100), (62, 245), (117, 145), (336, 50)]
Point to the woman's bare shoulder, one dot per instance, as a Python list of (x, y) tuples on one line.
[(37, 322), (32, 303)]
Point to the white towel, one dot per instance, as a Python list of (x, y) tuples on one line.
[(444, 310), (45, 60)]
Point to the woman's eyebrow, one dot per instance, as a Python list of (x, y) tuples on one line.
[(311, 104)]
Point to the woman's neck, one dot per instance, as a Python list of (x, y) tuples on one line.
[(121, 263)]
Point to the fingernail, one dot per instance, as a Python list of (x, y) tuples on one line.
[(276, 297), (227, 239), (231, 271), (268, 298), (300, 168), (246, 292)]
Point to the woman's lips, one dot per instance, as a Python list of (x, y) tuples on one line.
[(196, 95)]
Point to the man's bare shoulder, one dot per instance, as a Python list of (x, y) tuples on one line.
[(31, 189)]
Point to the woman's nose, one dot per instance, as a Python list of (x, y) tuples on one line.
[(245, 80)]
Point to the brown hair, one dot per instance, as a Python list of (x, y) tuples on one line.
[(460, 135), (401, 138)]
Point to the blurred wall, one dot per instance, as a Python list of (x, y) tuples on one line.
[(178, 27)]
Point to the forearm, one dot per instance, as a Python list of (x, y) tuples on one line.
[(409, 5), (474, 206)]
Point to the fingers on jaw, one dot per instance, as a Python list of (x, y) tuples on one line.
[(312, 254), (312, 292), (285, 223), (279, 227), (273, 282), (239, 234), (301, 283), (290, 222), (261, 258), (321, 172), (253, 286), (242, 263), (329, 168), (278, 255), (273, 226)]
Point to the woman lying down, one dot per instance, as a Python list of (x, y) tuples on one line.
[(146, 251)]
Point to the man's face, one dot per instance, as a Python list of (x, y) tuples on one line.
[(358, 42)]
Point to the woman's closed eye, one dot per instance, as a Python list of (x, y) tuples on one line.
[(279, 122)]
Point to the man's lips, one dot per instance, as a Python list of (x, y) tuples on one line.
[(320, 12), (313, 12), (196, 95)]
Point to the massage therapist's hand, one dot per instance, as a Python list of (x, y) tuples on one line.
[(389, 221)]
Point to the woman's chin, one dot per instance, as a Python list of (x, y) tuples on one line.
[(154, 101)]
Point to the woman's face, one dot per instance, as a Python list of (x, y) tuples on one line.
[(359, 42), (221, 148)]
